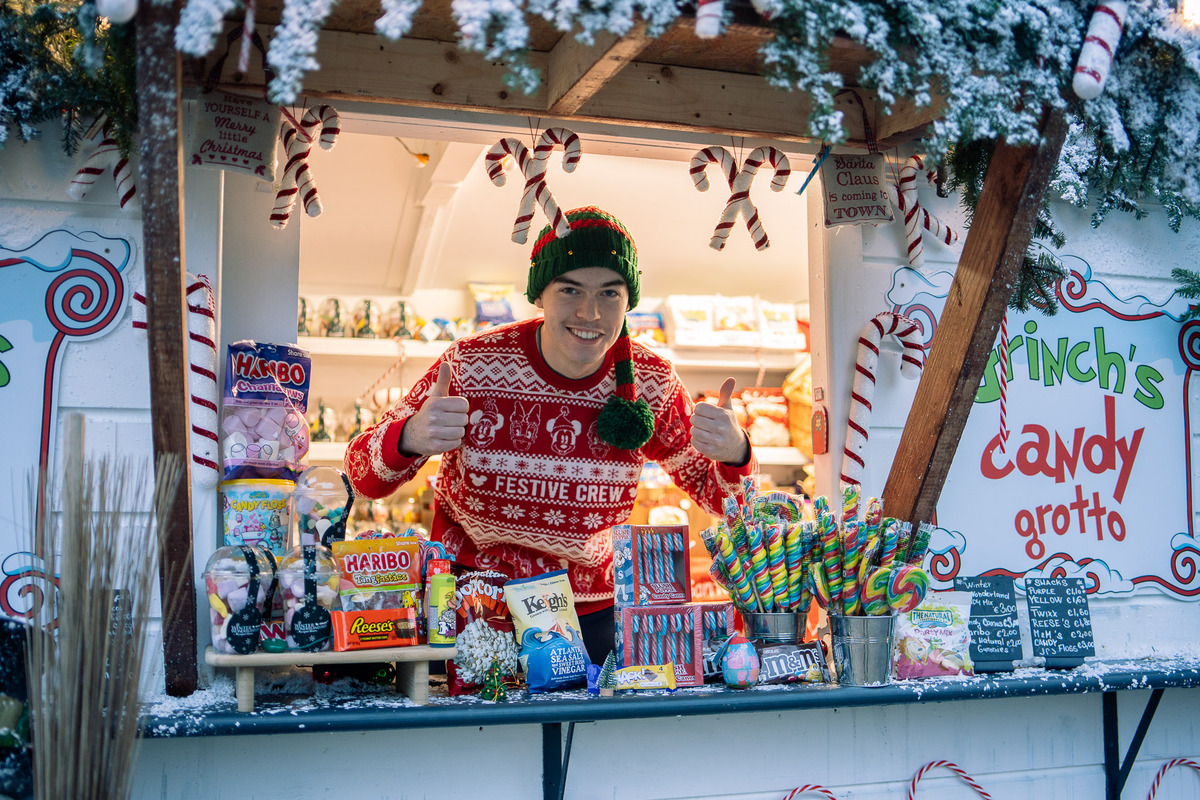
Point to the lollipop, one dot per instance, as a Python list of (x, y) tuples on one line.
[(793, 557), (820, 589), (907, 588), (831, 557), (920, 543), (875, 592), (867, 564), (874, 512), (891, 539), (737, 576), (851, 555), (778, 569), (760, 567), (849, 502)]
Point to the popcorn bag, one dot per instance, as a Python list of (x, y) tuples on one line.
[(263, 431), (484, 631)]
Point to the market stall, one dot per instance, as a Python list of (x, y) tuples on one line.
[(664, 90)]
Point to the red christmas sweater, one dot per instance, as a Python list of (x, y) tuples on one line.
[(533, 488)]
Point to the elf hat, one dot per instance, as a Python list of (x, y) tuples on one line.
[(598, 239)]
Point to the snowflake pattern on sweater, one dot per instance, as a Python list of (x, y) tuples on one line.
[(533, 487)]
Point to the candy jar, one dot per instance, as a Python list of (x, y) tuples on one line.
[(365, 320), (739, 663), (322, 502), (303, 317), (331, 318), (308, 579), (240, 582)]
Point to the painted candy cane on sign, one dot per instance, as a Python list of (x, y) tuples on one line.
[(863, 391), (106, 156), (739, 200), (534, 169), (904, 198), (912, 788), (320, 125), (794, 794), (1099, 46), (1174, 762)]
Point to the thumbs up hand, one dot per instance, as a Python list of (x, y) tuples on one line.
[(716, 432), (440, 424)]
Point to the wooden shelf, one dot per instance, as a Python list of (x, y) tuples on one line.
[(334, 452)]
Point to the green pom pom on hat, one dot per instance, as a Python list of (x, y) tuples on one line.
[(598, 239)]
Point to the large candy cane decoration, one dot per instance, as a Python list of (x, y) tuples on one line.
[(912, 788), (1174, 762), (810, 787), (912, 360), (1099, 46), (534, 169), (202, 380), (904, 198), (298, 139), (106, 155), (740, 202)]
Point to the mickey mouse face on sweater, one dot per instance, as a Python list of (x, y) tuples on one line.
[(563, 432)]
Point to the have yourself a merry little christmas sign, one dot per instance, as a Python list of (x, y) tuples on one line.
[(235, 133)]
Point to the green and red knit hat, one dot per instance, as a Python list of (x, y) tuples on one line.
[(598, 239)]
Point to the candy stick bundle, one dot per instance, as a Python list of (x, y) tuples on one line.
[(869, 564), (658, 635), (759, 551)]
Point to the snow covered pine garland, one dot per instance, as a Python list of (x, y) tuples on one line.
[(916, 217), (105, 156), (739, 185), (534, 169), (298, 138), (862, 393)]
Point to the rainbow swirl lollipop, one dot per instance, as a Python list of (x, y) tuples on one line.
[(737, 576), (820, 589), (851, 555), (907, 588), (850, 495), (760, 567), (775, 557), (793, 559), (875, 592), (891, 540)]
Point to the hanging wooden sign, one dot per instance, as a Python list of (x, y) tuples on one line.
[(234, 133), (855, 190)]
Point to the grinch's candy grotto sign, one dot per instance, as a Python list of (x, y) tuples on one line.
[(65, 287), (1078, 461)]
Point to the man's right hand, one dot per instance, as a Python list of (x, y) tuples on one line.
[(441, 423)]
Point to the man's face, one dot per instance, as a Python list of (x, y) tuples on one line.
[(584, 310)]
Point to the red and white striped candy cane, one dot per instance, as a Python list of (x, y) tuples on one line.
[(712, 155), (202, 378), (708, 18), (1174, 762), (107, 155), (904, 197), (534, 169), (1099, 46), (298, 139), (1003, 381), (912, 788), (912, 360), (740, 202), (810, 787)]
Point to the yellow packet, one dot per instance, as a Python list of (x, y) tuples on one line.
[(650, 676)]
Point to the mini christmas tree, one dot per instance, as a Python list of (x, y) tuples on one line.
[(493, 685), (607, 680)]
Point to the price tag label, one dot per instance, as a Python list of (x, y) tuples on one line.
[(1060, 620), (995, 632)]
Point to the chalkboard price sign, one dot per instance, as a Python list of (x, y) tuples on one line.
[(995, 633), (1060, 621)]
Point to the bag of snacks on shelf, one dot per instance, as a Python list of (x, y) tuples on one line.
[(646, 327), (491, 303), (934, 638), (263, 430), (552, 652), (735, 321), (690, 321), (767, 412), (484, 632)]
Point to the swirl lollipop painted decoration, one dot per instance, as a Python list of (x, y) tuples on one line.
[(907, 588)]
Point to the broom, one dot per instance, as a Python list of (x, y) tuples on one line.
[(87, 642)]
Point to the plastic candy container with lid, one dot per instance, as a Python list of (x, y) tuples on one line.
[(308, 578), (322, 502), (240, 582)]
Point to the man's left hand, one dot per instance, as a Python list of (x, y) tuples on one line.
[(716, 432)]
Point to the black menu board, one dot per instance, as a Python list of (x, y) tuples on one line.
[(995, 633), (1060, 621)]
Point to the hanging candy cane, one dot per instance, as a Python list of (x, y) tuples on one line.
[(904, 198), (811, 787), (534, 169), (740, 202), (1099, 45), (708, 18), (202, 380), (106, 156), (1003, 381), (912, 360), (712, 155), (298, 139), (1174, 762), (912, 788)]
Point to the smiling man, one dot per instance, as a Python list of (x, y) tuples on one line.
[(544, 426)]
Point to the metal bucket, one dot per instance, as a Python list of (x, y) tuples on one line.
[(785, 626), (862, 649)]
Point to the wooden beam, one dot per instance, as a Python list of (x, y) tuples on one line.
[(577, 71), (995, 246), (161, 187)]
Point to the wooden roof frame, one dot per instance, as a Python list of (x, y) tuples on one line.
[(604, 82)]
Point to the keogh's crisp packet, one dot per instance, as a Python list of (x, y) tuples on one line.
[(552, 652)]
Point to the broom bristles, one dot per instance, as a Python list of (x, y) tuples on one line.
[(87, 642)]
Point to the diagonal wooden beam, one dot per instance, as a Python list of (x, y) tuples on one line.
[(576, 71), (161, 186), (1000, 234)]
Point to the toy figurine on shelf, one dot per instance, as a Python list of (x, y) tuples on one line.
[(493, 685), (607, 680), (317, 431), (302, 317), (329, 318)]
